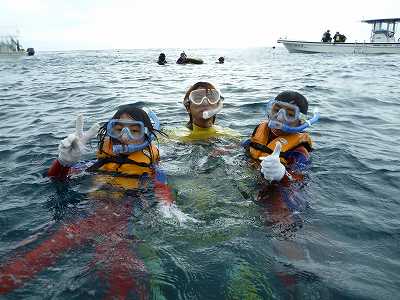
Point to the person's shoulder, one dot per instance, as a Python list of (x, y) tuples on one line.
[(226, 131), (178, 133)]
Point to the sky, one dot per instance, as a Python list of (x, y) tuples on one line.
[(130, 24)]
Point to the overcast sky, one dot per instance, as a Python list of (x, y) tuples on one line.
[(108, 24)]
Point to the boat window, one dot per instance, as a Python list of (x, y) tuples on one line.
[(383, 26)]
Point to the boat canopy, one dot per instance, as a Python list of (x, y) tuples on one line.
[(383, 30), (390, 20)]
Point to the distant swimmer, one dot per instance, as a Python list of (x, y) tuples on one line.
[(221, 60), (162, 59), (182, 59), (326, 37)]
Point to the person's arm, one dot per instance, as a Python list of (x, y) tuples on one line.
[(70, 150), (161, 188), (297, 161), (58, 171)]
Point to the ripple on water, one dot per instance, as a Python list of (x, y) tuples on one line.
[(347, 246)]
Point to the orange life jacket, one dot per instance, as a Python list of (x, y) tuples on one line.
[(260, 145), (122, 170)]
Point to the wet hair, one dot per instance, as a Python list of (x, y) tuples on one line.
[(162, 55), (293, 97), (198, 85), (137, 114), (221, 58)]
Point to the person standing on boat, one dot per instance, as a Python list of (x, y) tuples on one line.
[(326, 37), (336, 37)]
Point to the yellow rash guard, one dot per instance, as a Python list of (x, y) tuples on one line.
[(184, 134)]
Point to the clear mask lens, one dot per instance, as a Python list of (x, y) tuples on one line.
[(283, 112), (126, 129), (198, 96)]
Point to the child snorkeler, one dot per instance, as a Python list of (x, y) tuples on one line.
[(126, 164), (284, 150), (279, 142), (203, 101)]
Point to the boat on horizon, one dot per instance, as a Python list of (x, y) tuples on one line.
[(384, 40), (11, 46)]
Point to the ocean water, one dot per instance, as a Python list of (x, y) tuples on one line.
[(221, 242)]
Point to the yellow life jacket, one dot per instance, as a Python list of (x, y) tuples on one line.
[(124, 171), (260, 145)]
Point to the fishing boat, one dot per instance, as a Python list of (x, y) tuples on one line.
[(10, 46), (384, 40)]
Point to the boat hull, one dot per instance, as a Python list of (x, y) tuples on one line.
[(13, 54), (345, 48)]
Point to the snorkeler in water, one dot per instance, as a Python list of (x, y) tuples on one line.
[(162, 59), (221, 60), (280, 142), (203, 102), (126, 167), (182, 59), (281, 147)]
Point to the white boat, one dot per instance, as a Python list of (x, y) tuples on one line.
[(384, 40), (10, 46)]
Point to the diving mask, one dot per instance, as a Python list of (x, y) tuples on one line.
[(283, 111), (281, 114), (130, 130), (198, 96)]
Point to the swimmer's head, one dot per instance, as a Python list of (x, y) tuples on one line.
[(297, 104), (202, 101), (130, 125)]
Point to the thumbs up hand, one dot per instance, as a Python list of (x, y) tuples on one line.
[(271, 166), (72, 147)]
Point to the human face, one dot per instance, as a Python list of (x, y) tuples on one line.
[(203, 104), (135, 130)]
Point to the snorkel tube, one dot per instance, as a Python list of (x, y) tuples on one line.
[(289, 129), (212, 112), (130, 148)]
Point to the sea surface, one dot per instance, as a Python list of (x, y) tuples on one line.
[(342, 240)]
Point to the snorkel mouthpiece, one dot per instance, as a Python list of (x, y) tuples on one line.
[(212, 112)]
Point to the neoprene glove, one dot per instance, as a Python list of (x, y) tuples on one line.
[(271, 166), (71, 148)]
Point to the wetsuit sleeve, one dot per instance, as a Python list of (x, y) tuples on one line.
[(298, 158), (246, 144), (161, 188), (297, 162), (58, 171)]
